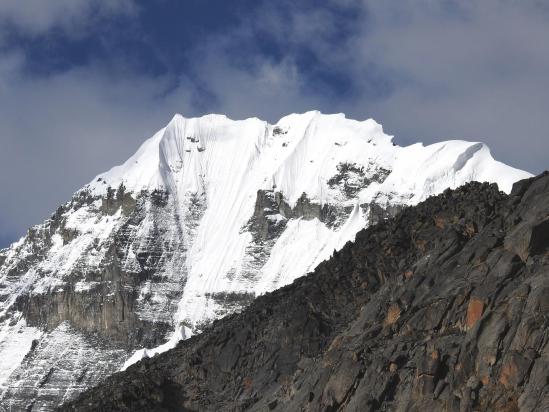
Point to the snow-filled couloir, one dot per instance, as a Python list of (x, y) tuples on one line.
[(206, 215)]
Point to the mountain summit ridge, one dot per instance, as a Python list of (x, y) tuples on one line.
[(207, 214), (158, 157)]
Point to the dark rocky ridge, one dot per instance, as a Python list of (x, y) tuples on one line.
[(444, 307)]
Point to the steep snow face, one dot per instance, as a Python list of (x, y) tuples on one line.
[(206, 215), (297, 155), (226, 162)]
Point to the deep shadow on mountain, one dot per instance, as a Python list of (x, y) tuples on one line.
[(444, 307)]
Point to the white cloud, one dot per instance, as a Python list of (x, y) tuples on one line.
[(57, 132), (427, 70), (262, 88), (471, 70)]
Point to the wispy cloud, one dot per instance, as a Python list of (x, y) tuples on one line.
[(474, 70)]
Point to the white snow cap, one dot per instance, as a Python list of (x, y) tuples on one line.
[(227, 161), (296, 155)]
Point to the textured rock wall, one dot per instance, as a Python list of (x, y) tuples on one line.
[(125, 299), (104, 299), (99, 306)]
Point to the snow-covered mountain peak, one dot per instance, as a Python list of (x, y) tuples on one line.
[(194, 146), (297, 154), (207, 214), (312, 166)]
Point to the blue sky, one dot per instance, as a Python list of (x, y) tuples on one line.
[(84, 82)]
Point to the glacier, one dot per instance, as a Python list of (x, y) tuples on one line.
[(207, 214)]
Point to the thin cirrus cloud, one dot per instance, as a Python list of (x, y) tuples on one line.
[(83, 83)]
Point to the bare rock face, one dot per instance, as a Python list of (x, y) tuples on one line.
[(89, 318), (444, 307)]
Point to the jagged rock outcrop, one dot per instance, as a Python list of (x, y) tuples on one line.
[(444, 307)]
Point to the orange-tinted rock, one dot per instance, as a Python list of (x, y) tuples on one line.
[(247, 383), (421, 244), (470, 229), (474, 312), (440, 222), (508, 372), (514, 369), (392, 314)]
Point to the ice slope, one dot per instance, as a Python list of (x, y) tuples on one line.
[(214, 171), (15, 342)]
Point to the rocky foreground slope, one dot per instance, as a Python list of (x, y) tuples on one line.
[(445, 307), (208, 214)]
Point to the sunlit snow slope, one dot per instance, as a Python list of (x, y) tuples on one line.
[(206, 215), (226, 162), (298, 155)]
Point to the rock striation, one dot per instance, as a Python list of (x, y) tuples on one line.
[(444, 307)]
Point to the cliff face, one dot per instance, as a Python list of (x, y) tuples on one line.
[(72, 303), (444, 307)]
